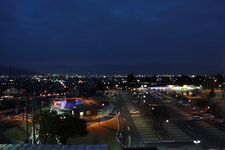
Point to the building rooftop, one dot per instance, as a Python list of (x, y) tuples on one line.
[(53, 147)]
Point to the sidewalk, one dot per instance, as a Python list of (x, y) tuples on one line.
[(163, 135), (110, 114)]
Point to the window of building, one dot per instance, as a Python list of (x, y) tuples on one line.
[(88, 112)]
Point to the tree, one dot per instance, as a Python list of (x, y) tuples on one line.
[(215, 108), (154, 79), (223, 88), (212, 94), (131, 78), (159, 115), (100, 85), (49, 126), (201, 103), (149, 79), (184, 78), (72, 126), (196, 92), (219, 79), (199, 78)]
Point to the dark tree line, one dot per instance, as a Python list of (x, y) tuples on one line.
[(149, 79), (159, 115), (131, 78), (51, 127)]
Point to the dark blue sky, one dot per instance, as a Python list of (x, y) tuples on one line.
[(112, 37)]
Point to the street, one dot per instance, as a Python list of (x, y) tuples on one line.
[(126, 121), (193, 129), (180, 126)]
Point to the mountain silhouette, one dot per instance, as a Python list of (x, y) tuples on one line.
[(5, 70)]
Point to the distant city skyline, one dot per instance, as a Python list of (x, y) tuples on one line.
[(114, 37), (5, 70)]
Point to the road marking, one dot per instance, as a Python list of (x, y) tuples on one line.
[(190, 127)]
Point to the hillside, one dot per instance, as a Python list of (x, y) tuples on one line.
[(5, 70)]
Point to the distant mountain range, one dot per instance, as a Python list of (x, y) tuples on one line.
[(5, 70), (125, 69)]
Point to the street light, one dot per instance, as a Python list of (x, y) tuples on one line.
[(196, 142), (124, 129), (214, 84), (189, 104), (167, 121), (208, 111)]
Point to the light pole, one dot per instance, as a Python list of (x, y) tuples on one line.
[(196, 142), (33, 141), (208, 112), (124, 131), (167, 121), (26, 141), (99, 120), (108, 99), (189, 104), (214, 84)]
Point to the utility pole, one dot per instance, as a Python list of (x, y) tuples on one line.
[(41, 98), (42, 102), (33, 141), (99, 119), (207, 84), (124, 131), (26, 141)]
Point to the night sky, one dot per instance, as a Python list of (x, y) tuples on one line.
[(114, 37)]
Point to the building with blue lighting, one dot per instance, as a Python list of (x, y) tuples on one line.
[(76, 107)]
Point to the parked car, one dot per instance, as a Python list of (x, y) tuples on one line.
[(196, 118), (134, 111), (222, 121), (187, 104), (217, 116), (195, 108), (207, 111), (180, 102)]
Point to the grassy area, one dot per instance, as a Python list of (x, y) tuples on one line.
[(103, 134), (157, 135), (44, 108), (14, 129)]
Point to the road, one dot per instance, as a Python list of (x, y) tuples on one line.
[(195, 131), (192, 129), (129, 127)]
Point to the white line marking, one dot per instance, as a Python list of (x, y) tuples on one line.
[(190, 127)]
